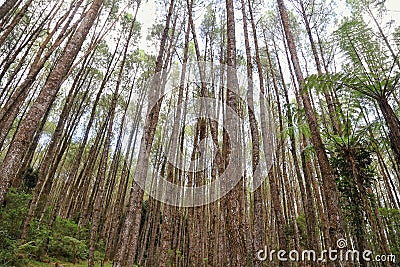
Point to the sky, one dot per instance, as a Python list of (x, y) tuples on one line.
[(147, 15), (394, 5)]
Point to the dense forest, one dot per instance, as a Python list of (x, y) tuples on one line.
[(210, 133)]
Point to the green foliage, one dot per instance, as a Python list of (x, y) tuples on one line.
[(396, 36), (302, 226), (392, 219), (12, 215), (208, 26), (67, 241), (64, 240), (369, 71), (363, 164), (352, 161), (155, 32), (371, 68), (30, 179), (69, 248), (8, 248)]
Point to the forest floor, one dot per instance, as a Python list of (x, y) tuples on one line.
[(64, 264)]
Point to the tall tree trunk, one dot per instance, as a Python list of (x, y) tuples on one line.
[(102, 176), (9, 112), (336, 230), (166, 231), (335, 124), (257, 219), (50, 155), (97, 206), (24, 136), (259, 206), (131, 224), (393, 124), (6, 7), (306, 193), (233, 199), (7, 30)]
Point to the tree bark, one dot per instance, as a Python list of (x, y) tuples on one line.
[(167, 223), (393, 124), (336, 230), (131, 224), (47, 95), (335, 124), (6, 7), (233, 200)]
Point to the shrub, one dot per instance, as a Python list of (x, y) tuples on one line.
[(68, 248), (64, 240), (12, 214)]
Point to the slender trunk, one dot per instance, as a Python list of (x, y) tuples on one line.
[(335, 124), (393, 124), (336, 230), (24, 136), (101, 178), (6, 7), (9, 112), (50, 156), (166, 233), (233, 204), (306, 195), (7, 30), (259, 218), (132, 221)]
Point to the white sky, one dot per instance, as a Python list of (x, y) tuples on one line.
[(147, 15), (393, 8), (394, 5)]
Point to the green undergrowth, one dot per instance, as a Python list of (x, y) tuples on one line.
[(45, 245), (64, 264)]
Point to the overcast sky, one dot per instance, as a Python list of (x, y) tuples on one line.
[(148, 13)]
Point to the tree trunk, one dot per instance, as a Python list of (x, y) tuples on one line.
[(393, 124), (6, 7), (166, 227), (233, 204), (335, 124), (24, 136), (131, 224), (336, 230)]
